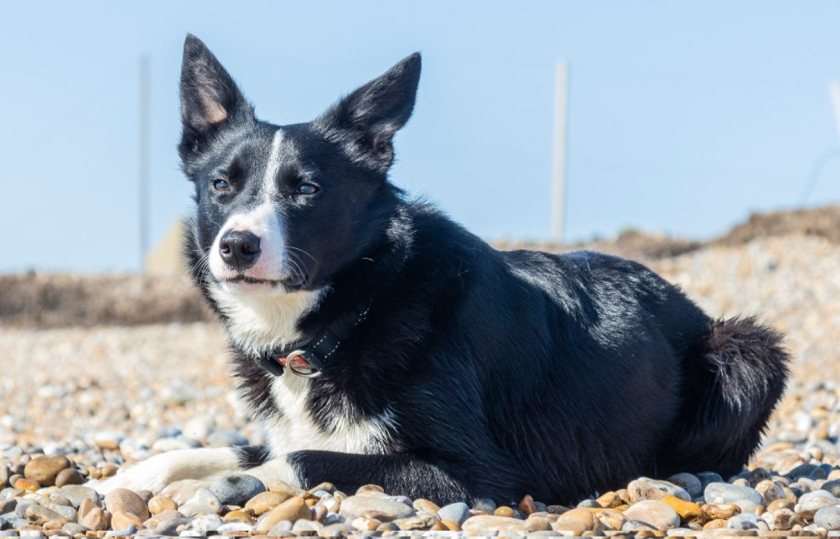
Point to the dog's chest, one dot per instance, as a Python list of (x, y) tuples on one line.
[(338, 427)]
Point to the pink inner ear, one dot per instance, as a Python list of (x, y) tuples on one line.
[(214, 112)]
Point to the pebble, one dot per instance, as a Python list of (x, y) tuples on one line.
[(69, 476), (484, 523), (159, 504), (293, 509), (650, 489), (457, 512), (126, 501), (356, 506), (201, 503), (720, 493), (236, 489), (265, 501), (76, 493), (828, 518), (657, 514), (45, 469), (690, 482), (576, 521)]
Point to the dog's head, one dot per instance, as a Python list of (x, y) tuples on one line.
[(283, 208)]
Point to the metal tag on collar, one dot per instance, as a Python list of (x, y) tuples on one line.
[(300, 366)]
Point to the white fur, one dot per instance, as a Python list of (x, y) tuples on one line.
[(155, 473), (264, 320), (296, 430)]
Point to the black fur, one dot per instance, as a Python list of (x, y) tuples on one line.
[(506, 372)]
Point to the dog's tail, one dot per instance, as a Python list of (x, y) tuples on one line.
[(732, 380)]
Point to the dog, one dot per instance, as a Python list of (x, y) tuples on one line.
[(377, 341)]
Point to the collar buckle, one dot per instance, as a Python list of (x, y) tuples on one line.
[(299, 365)]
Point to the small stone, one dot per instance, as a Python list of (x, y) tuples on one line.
[(458, 512), (611, 519), (722, 511), (203, 502), (339, 529), (576, 521), (205, 524), (365, 524), (77, 493), (526, 505), (45, 469), (657, 514), (775, 505), (724, 493), (504, 511), (265, 501), (425, 506), (96, 519), (690, 482), (69, 476), (159, 504), (781, 519), (72, 528), (416, 522), (451, 525), (811, 502), (770, 491), (166, 523), (282, 528), (38, 514), (236, 489), (686, 510), (122, 521), (238, 516), (651, 489), (828, 518), (485, 505), (126, 501), (484, 523), (293, 509), (108, 440), (744, 521), (235, 526), (26, 484), (537, 523), (356, 506), (85, 507)]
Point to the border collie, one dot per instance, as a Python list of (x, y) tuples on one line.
[(378, 341)]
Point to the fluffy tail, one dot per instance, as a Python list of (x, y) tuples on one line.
[(732, 380)]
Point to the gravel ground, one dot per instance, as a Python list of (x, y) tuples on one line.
[(82, 402)]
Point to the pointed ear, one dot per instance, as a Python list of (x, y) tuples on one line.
[(366, 120), (209, 97)]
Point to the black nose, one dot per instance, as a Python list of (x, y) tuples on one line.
[(240, 250)]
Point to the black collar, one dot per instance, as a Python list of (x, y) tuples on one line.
[(307, 357)]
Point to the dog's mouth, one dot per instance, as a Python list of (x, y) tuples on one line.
[(290, 283)]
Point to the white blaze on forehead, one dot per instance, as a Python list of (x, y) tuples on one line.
[(272, 167)]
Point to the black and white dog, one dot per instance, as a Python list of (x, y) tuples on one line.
[(380, 342)]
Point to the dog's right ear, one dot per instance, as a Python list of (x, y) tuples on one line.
[(209, 97)]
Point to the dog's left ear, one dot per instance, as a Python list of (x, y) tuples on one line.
[(366, 120), (210, 98)]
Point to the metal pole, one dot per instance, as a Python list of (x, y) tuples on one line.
[(561, 132), (143, 162)]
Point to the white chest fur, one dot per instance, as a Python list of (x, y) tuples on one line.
[(296, 430), (260, 322)]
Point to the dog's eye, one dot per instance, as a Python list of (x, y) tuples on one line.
[(307, 188), (221, 185)]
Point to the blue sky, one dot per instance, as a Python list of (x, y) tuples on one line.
[(684, 116)]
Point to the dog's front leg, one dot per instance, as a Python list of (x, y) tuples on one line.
[(397, 474), (161, 470)]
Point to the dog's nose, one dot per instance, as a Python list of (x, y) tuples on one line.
[(239, 249)]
